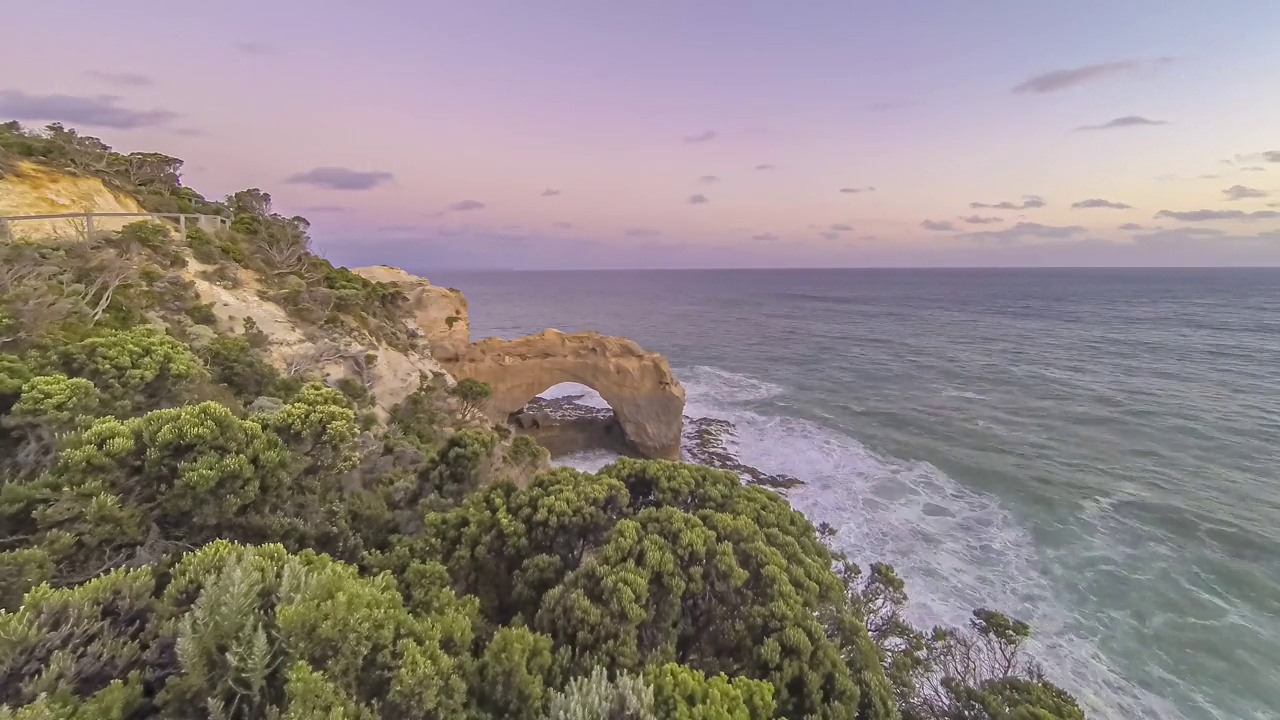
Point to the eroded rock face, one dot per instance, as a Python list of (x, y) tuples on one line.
[(439, 313), (637, 384)]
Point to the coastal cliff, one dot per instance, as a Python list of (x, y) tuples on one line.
[(237, 481)]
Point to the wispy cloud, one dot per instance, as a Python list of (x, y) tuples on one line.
[(867, 188), (1029, 202), (1100, 203), (1209, 176), (982, 220), (1253, 168), (1025, 231), (120, 79), (1135, 227), (698, 199), (550, 192), (829, 235), (398, 228), (765, 166), (341, 178), (938, 225), (708, 179), (1176, 234), (1271, 156), (1208, 215), (92, 111), (564, 225), (254, 47), (465, 205), (1123, 122), (765, 237), (325, 209), (704, 136), (642, 232), (842, 227), (1072, 77), (1240, 192)]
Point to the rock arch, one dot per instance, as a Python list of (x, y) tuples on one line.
[(647, 400)]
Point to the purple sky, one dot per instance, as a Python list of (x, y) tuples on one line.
[(696, 134)]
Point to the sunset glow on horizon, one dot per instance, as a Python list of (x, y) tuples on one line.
[(711, 134)]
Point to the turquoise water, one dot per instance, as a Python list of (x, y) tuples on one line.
[(1094, 451)]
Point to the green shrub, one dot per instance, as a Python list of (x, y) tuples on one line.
[(137, 368)]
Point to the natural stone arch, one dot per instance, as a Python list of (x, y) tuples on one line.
[(647, 400)]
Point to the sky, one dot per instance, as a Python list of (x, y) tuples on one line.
[(589, 134)]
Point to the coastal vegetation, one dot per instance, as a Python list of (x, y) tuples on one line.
[(189, 529)]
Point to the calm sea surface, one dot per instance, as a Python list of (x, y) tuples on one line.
[(1097, 452)]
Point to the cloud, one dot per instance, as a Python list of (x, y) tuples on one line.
[(1071, 77), (465, 205), (1135, 227), (642, 232), (830, 235), (1269, 235), (766, 167), (564, 225), (1253, 168), (698, 199), (1207, 215), (1025, 231), (121, 79), (550, 192), (982, 220), (1123, 122), (1029, 202), (704, 136), (765, 237), (884, 106), (1209, 176), (398, 228), (253, 47), (341, 178), (938, 225), (868, 188), (190, 132), (1271, 156), (93, 111), (708, 179), (1240, 192), (1183, 233), (1100, 203), (324, 209), (842, 227)]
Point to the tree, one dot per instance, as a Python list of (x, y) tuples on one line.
[(154, 171), (471, 394)]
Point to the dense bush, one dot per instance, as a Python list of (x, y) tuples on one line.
[(187, 533)]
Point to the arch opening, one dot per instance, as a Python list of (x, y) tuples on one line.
[(646, 399), (575, 423)]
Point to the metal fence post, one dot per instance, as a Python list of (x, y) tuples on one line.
[(88, 226)]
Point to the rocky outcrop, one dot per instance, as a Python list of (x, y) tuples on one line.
[(439, 313), (33, 189), (647, 400), (394, 376)]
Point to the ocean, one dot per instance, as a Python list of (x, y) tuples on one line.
[(1094, 451)]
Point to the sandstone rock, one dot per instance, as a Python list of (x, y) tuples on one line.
[(392, 378), (439, 313), (647, 400)]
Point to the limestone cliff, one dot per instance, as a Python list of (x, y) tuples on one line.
[(439, 313), (33, 189), (391, 377), (646, 398)]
